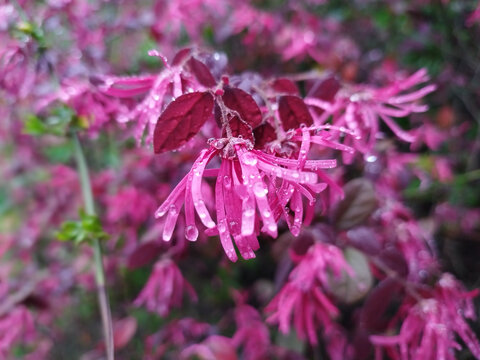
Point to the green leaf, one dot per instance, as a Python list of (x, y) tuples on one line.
[(61, 153), (349, 289), (57, 123), (86, 229), (34, 126)]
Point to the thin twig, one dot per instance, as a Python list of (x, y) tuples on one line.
[(97, 251)]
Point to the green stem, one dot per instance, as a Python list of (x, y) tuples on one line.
[(97, 250)]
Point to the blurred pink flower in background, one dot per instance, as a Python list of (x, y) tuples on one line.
[(305, 296), (164, 289)]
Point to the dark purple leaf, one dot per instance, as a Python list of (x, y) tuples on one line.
[(143, 255), (36, 301), (364, 239), (293, 112), (374, 316), (182, 120), (264, 134), (180, 56), (394, 260), (357, 206), (285, 86), (243, 103), (201, 72), (325, 89), (301, 244)]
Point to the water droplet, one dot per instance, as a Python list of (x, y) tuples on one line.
[(272, 227), (191, 233), (249, 212), (161, 213), (210, 224), (227, 181), (222, 227), (172, 210), (267, 213), (295, 175), (259, 190), (295, 230), (249, 159)]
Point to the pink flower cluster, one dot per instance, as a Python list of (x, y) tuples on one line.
[(164, 289), (305, 297), (429, 327)]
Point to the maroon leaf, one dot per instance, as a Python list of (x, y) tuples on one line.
[(182, 120), (181, 56), (374, 315), (394, 260), (264, 134), (293, 112), (144, 254), (201, 72), (285, 86), (357, 206), (325, 89), (364, 239), (243, 103), (36, 301)]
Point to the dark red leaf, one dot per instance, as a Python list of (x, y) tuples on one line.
[(364, 239), (182, 120), (285, 86), (374, 315), (36, 302), (144, 254), (293, 112), (180, 56), (201, 72), (357, 206), (394, 260), (243, 103), (237, 126), (325, 89), (264, 134)]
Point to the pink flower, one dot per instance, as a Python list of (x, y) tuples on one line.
[(251, 193), (304, 298), (164, 289), (429, 328), (473, 17), (89, 104), (160, 90), (252, 333), (415, 243), (358, 108), (17, 71), (16, 326)]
